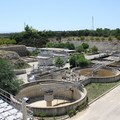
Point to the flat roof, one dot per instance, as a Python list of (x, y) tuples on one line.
[(43, 57), (57, 49), (62, 55)]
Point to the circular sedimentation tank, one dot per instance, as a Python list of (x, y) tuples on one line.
[(53, 97), (101, 75), (102, 72)]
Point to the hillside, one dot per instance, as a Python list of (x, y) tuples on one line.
[(14, 58)]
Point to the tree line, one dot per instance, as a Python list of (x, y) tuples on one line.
[(35, 38), (99, 32)]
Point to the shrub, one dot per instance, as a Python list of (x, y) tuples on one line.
[(80, 49), (94, 49), (42, 115), (79, 60), (110, 39), (59, 62), (71, 113), (85, 45)]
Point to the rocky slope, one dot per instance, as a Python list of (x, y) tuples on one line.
[(14, 58)]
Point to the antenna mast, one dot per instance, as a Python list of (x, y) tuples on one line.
[(92, 23)]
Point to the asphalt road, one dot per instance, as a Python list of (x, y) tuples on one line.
[(105, 108)]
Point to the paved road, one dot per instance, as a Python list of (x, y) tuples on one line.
[(106, 108)]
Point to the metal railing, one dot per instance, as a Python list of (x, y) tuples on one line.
[(11, 100)]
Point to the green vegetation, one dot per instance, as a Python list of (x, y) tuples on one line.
[(35, 38), (72, 113), (94, 90), (8, 80), (7, 41), (78, 109), (34, 53), (82, 48), (59, 62), (30, 37), (79, 60), (94, 49), (82, 106), (99, 32), (85, 46), (19, 64), (42, 115), (67, 45), (79, 49)]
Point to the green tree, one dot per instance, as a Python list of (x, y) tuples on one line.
[(59, 62), (8, 80), (78, 60)]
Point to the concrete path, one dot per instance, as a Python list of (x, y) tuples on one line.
[(105, 108)]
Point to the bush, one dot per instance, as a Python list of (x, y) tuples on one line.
[(110, 39), (34, 53), (67, 45), (85, 45), (79, 60), (94, 49), (82, 106), (82, 38), (118, 37), (7, 41), (71, 113), (80, 49), (59, 62), (42, 115), (20, 64), (91, 38)]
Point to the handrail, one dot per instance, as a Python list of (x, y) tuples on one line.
[(11, 99)]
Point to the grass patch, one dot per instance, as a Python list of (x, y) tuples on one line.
[(96, 89)]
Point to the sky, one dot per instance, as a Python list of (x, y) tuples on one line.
[(58, 15)]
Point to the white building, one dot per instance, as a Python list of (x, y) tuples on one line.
[(47, 56), (45, 60)]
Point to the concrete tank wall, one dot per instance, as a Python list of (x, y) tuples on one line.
[(60, 110), (32, 90), (94, 79), (36, 91)]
